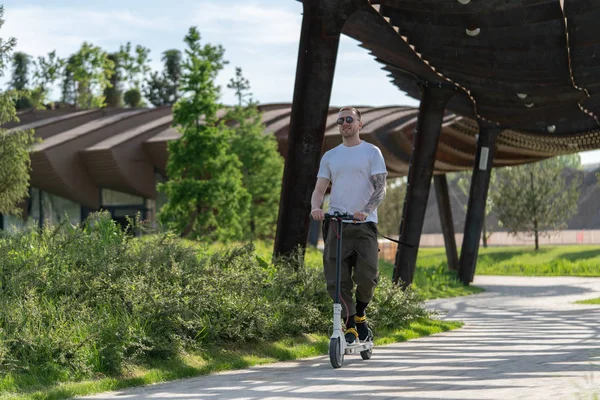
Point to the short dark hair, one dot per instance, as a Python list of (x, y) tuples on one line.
[(350, 108)]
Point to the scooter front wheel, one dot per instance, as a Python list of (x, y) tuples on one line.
[(335, 353)]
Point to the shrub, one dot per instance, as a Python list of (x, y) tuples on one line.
[(80, 301), (133, 98)]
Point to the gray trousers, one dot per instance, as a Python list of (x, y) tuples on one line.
[(359, 262)]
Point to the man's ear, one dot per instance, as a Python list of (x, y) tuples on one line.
[(359, 124)]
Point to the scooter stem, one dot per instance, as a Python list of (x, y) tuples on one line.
[(337, 318)]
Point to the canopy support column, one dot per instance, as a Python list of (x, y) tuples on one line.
[(429, 126)]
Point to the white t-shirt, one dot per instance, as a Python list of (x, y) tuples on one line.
[(350, 170)]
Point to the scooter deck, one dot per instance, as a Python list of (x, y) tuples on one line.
[(356, 348)]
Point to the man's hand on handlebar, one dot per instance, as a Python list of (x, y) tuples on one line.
[(318, 214), (360, 216)]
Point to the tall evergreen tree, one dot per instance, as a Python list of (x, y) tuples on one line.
[(240, 85), (157, 90), (172, 74), (262, 165), (20, 80), (113, 94), (535, 198), (162, 88), (68, 86), (205, 195), (20, 71)]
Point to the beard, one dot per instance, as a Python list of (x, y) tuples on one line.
[(348, 133)]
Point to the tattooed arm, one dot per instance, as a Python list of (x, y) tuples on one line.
[(378, 195)]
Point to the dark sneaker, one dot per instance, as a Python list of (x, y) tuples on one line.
[(351, 335), (362, 327)]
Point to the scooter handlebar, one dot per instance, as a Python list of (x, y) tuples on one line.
[(339, 216)]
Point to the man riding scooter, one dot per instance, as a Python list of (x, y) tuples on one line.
[(357, 173)]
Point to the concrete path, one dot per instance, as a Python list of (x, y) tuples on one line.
[(523, 339)]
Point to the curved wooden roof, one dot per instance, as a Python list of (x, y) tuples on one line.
[(121, 149)]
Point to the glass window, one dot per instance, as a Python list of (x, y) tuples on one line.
[(115, 198), (55, 209), (15, 224), (161, 198), (34, 204)]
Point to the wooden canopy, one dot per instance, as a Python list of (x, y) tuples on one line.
[(526, 65)]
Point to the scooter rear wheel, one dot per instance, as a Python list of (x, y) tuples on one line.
[(366, 354), (335, 353)]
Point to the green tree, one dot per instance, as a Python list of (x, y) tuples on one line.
[(463, 182), (19, 82), (68, 86), (172, 74), (389, 213), (6, 46), (48, 70), (241, 86), (113, 94), (205, 195), (20, 71), (14, 145), (15, 163), (262, 165), (134, 64), (536, 198), (89, 72), (156, 90), (163, 88)]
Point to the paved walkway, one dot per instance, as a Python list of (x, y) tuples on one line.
[(523, 339)]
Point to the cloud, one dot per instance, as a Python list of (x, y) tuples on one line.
[(41, 29), (249, 22)]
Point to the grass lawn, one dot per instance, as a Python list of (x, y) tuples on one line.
[(432, 278), (580, 260), (591, 301), (213, 360), (433, 281)]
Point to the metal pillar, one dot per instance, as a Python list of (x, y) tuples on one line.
[(480, 182), (321, 29), (443, 201), (422, 159)]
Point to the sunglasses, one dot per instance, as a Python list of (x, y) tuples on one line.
[(348, 119)]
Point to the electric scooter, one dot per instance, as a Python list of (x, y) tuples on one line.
[(337, 343)]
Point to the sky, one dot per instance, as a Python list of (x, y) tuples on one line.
[(260, 36)]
